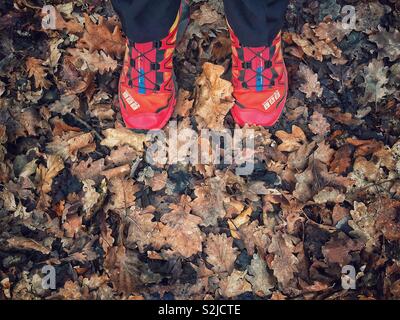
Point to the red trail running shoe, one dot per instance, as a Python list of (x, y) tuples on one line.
[(147, 94), (260, 82)]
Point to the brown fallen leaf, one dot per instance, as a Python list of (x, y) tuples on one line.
[(27, 244), (96, 61), (319, 125), (291, 141), (38, 71), (342, 160), (209, 202), (68, 145), (181, 231), (122, 265), (234, 285), (123, 136), (285, 262), (259, 277), (99, 37), (142, 229), (45, 176), (158, 181), (122, 194), (311, 86), (221, 253), (214, 97), (339, 248)]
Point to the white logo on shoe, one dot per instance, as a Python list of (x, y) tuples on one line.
[(271, 100), (132, 102)]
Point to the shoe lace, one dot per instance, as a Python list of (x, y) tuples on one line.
[(260, 73), (144, 75)]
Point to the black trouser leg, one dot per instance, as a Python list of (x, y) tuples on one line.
[(256, 22), (146, 20)]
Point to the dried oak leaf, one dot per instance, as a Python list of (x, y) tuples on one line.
[(45, 176), (72, 225), (338, 249), (205, 15), (285, 262), (370, 14), (99, 37), (122, 194), (311, 86), (122, 155), (123, 136), (96, 61), (183, 104), (91, 197), (255, 237), (342, 160), (319, 125), (88, 169), (291, 141), (388, 218), (214, 97), (70, 143), (329, 194), (142, 230), (70, 291), (71, 26), (375, 75), (221, 253), (123, 267), (258, 275), (21, 243), (181, 231), (329, 30), (158, 181), (66, 104), (363, 224), (388, 42), (234, 285), (209, 202), (38, 71)]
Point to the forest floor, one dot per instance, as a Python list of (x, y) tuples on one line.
[(78, 195)]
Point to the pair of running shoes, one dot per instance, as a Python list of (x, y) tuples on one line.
[(147, 90)]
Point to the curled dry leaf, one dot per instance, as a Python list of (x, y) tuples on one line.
[(291, 141), (123, 136), (96, 61), (70, 143)]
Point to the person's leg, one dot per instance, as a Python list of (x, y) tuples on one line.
[(146, 20), (259, 74), (147, 93), (256, 22)]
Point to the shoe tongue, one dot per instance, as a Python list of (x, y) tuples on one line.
[(143, 47)]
